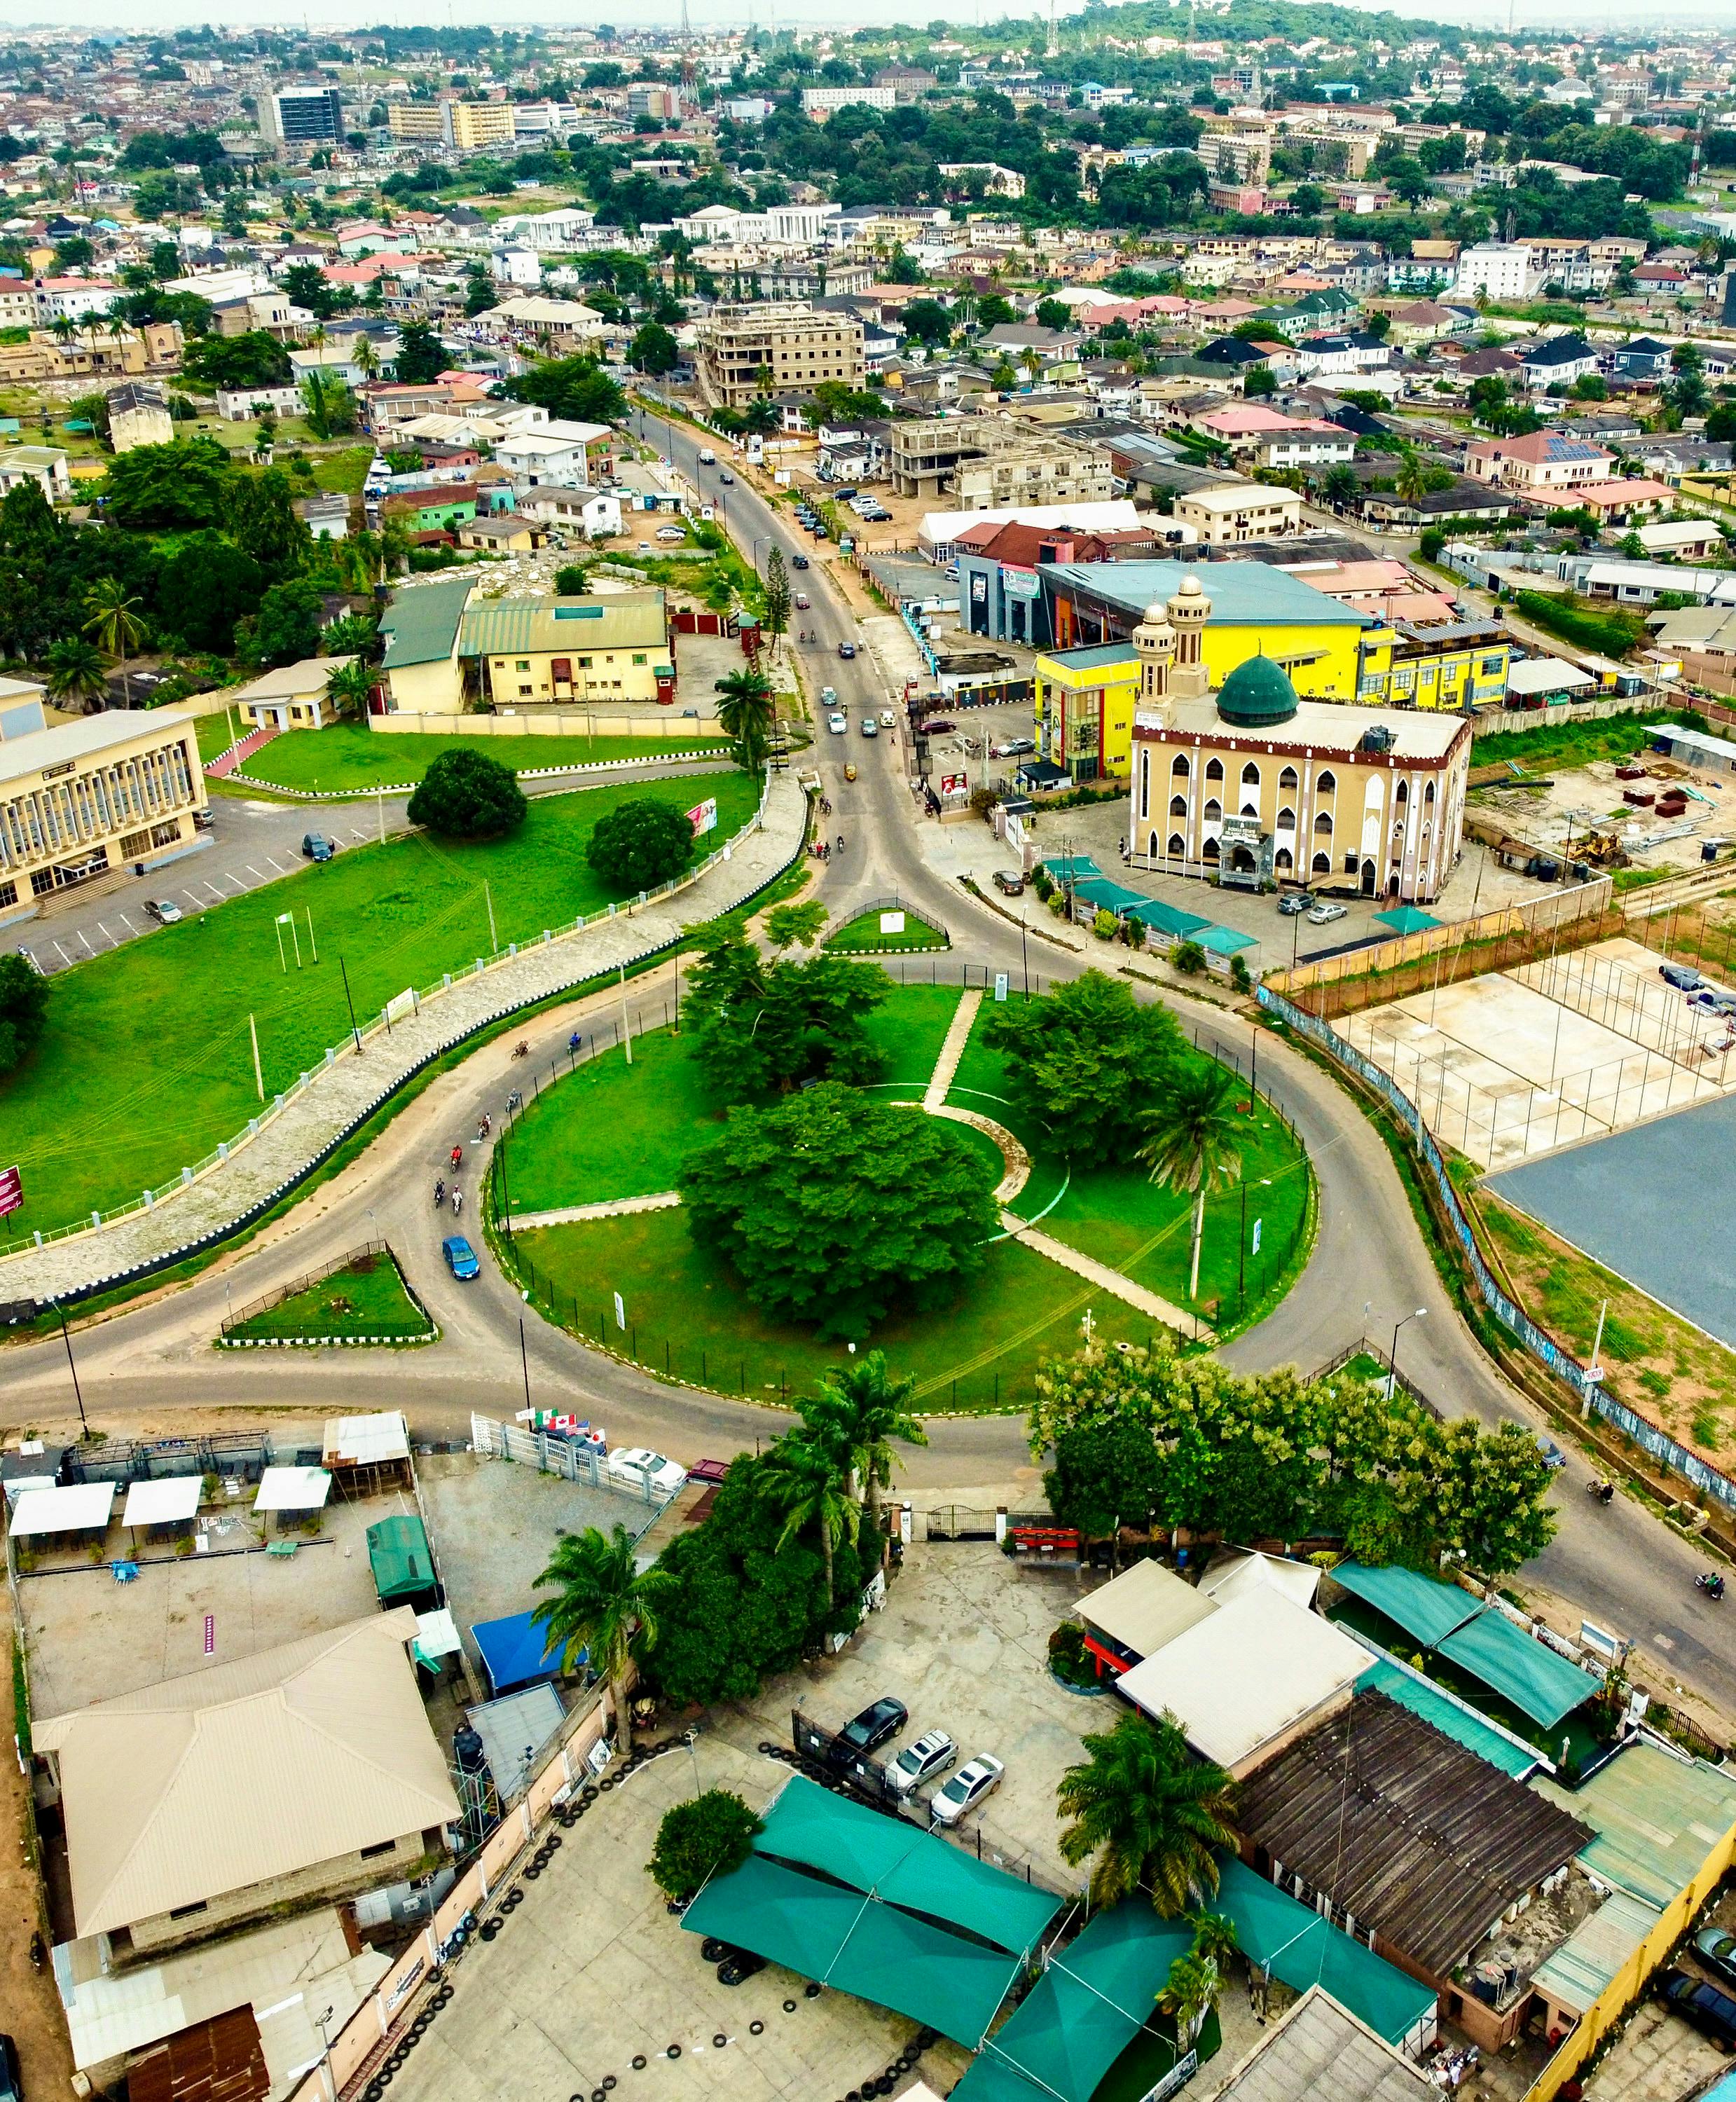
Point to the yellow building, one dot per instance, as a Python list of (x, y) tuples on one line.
[(518, 652), (419, 672), (1457, 664), (82, 798), (1084, 700), (463, 125)]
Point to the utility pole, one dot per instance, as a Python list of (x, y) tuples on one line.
[(258, 1078)]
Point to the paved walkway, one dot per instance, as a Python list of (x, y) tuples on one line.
[(946, 1065), (615, 1208), (1111, 1280), (226, 762), (261, 1168), (1018, 1160)]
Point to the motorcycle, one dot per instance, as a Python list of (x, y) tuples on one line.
[(457, 1155), (1601, 1492), (458, 1202), (514, 1101), (521, 1049), (439, 1194), (1711, 1583), (574, 1042), (484, 1127)]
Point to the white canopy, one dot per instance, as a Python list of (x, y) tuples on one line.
[(1531, 675), (437, 1634), (367, 1440), (161, 1503), (293, 1488), (81, 1509)]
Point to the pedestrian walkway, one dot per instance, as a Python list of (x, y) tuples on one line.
[(613, 1208), (1018, 1160), (1111, 1280), (226, 762), (946, 1065)]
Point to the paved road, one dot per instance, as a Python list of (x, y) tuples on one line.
[(251, 842), (1369, 1266)]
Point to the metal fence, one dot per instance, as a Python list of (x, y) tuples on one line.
[(569, 1457), (1537, 1343), (425, 1332), (232, 1455)]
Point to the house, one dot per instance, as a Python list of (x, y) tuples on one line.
[(516, 652), (1240, 510), (1685, 539), (1542, 465), (292, 696), (1355, 351), (327, 516), (1558, 362), (138, 415), (419, 672), (244, 405), (1276, 441), (504, 533), (1422, 321), (596, 513), (1617, 502), (304, 1773), (1498, 270), (1645, 357), (47, 468), (1318, 2051), (568, 455)]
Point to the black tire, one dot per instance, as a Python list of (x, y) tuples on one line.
[(372, 2092), (639, 2061), (384, 2076), (756, 2028), (719, 2040), (673, 2051), (766, 1745), (588, 1794), (607, 1781), (597, 2095), (491, 1930), (789, 2007), (553, 1842), (533, 1872), (443, 1998), (812, 1989), (608, 2083)]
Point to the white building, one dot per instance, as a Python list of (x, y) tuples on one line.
[(779, 226), (820, 102), (71, 298), (545, 232), (1501, 270), (40, 464), (595, 513)]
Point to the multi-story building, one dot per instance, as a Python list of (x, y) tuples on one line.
[(1498, 269), (1084, 700), (86, 797), (138, 415), (778, 347), (987, 463), (517, 653), (651, 98), (820, 102), (464, 127), (298, 119), (1541, 464), (1234, 511)]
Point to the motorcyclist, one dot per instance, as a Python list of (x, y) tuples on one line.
[(458, 1202), (440, 1191)]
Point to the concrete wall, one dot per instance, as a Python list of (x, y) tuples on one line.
[(554, 722)]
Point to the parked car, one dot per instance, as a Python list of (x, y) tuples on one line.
[(820, 532), (846, 495), (1553, 1455), (802, 602), (1683, 977), (938, 726), (1008, 882), (931, 1754), (878, 1722), (871, 728), (837, 725), (847, 650), (461, 1257), (889, 718), (671, 533), (11, 2079), (318, 847), (1323, 912), (637, 1465), (1293, 903), (799, 561), (164, 910), (1712, 2012), (966, 1789), (1012, 747), (1716, 1947)]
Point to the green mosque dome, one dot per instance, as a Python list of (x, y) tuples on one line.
[(1257, 694)]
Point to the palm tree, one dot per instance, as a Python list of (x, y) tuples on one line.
[(804, 1477), (744, 709), (869, 1408), (77, 673), (348, 686), (1031, 358), (115, 624), (365, 358), (1154, 1816), (1188, 1994), (1192, 1142), (1412, 483), (604, 1613), (1338, 485)]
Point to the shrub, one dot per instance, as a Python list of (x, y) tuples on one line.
[(1239, 974), (468, 795), (1189, 958), (569, 581), (1042, 883), (24, 1009), (712, 1835), (1104, 925), (641, 844)]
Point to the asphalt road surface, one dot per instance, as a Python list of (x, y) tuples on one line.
[(1619, 1566)]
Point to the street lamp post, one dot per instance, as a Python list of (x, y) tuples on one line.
[(1392, 1359), (66, 1336)]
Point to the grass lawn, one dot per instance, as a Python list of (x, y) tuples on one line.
[(612, 1130), (144, 1065), (1573, 743), (343, 473), (861, 936), (687, 1317), (351, 755), (365, 1297), (216, 734)]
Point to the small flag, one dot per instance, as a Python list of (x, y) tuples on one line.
[(1258, 1223), (286, 919)]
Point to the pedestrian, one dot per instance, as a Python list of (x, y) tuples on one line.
[(458, 1202)]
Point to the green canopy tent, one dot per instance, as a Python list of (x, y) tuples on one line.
[(1538, 1682), (402, 1562), (1421, 1606)]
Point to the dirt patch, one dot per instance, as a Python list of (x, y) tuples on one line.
[(1662, 1366), (31, 2006)]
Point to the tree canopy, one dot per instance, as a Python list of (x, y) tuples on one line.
[(837, 1210), (256, 359), (1087, 1062), (767, 1027), (709, 1835), (640, 843), (468, 795), (24, 1009), (575, 388)]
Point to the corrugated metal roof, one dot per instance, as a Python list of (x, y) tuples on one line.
[(1655, 1819), (1595, 1953), (1144, 1607), (244, 1773), (1417, 1837), (1239, 591), (626, 620), (1320, 2052), (420, 626)]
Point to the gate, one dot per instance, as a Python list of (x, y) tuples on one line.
[(959, 1522)]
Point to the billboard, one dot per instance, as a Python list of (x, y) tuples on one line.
[(703, 816), (11, 1190), (1020, 583)]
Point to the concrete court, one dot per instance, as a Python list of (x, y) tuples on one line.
[(1647, 1203), (1504, 1072)]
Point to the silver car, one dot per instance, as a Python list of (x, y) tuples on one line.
[(931, 1755), (966, 1789)]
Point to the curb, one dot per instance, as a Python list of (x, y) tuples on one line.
[(520, 774), (322, 1342)]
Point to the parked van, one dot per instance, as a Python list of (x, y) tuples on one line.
[(707, 457)]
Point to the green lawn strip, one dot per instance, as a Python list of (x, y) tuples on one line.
[(1573, 743), (343, 473), (351, 755), (908, 1028), (861, 936), (216, 734), (692, 1321), (144, 1063), (365, 1297)]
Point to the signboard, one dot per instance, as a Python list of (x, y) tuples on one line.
[(11, 1190), (402, 1003), (979, 588), (1000, 985), (620, 1312), (406, 1985), (955, 784), (755, 451), (1258, 1224), (703, 816), (1020, 583), (892, 923)]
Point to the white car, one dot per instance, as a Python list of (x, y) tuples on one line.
[(1324, 912), (837, 725), (889, 718), (966, 1789), (871, 728), (931, 1755), (638, 1467), (671, 533)]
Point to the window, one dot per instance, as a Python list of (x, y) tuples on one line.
[(1321, 865), (1350, 864), (1177, 845), (1323, 826), (1251, 775), (525, 693), (1215, 770), (1283, 858), (384, 1847), (1428, 796), (521, 664), (188, 1911), (1403, 797), (1286, 781), (1326, 785), (1178, 806), (1214, 812), (1286, 819), (1209, 851), (639, 657)]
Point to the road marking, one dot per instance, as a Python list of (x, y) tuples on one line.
[(85, 939), (102, 930), (198, 903), (278, 866), (64, 958), (254, 872), (1664, 1642), (128, 924)]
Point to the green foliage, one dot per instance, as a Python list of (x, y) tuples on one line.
[(569, 581), (468, 795), (837, 1210), (169, 489), (24, 1009), (603, 1612), (574, 387), (1106, 1475), (420, 356), (1147, 1815), (709, 1835), (766, 1028), (641, 844), (653, 349), (1189, 958), (927, 320), (261, 522), (795, 925), (1610, 634), (256, 359), (206, 585), (287, 628), (1085, 1061)]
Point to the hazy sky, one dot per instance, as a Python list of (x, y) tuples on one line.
[(134, 15)]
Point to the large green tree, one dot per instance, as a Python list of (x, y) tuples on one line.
[(765, 1028), (804, 1481), (468, 795), (709, 1835), (1085, 1062), (1149, 1817), (24, 1009), (603, 1612), (859, 1410), (168, 489), (287, 628), (421, 357), (575, 388), (261, 522), (1193, 1141), (204, 586), (744, 708), (256, 359), (640, 843), (836, 1210)]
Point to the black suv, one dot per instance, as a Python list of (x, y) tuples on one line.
[(878, 1724), (1704, 2006)]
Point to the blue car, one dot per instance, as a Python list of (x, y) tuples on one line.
[(461, 1257)]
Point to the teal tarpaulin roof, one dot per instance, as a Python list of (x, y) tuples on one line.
[(1168, 918), (1090, 883), (1418, 1604), (1300, 1948), (1406, 919), (850, 1941), (1451, 1719), (1088, 2006), (1536, 1681), (1223, 941), (808, 1826)]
